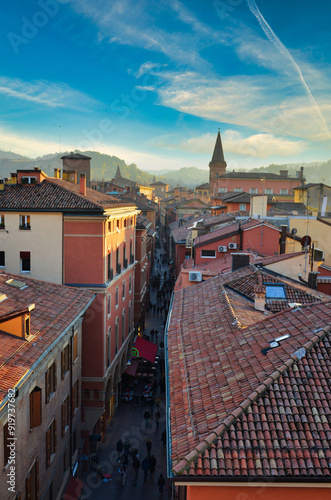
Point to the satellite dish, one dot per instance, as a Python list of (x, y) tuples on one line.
[(294, 231), (305, 241)]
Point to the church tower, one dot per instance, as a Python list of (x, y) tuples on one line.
[(217, 165)]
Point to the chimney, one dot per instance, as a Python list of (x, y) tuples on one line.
[(57, 173), (82, 186), (312, 280), (282, 249), (259, 297)]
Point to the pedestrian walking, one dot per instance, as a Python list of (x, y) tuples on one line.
[(164, 437), (123, 474), (126, 446), (147, 416), (152, 464), (161, 483), (134, 453), (157, 418), (136, 466), (119, 448), (149, 446), (145, 467)]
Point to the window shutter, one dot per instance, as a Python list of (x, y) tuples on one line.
[(54, 435), (47, 384), (55, 376), (48, 448), (73, 401), (35, 408), (28, 487), (63, 412), (62, 364), (37, 476), (75, 347)]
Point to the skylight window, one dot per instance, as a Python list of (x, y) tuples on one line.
[(274, 291), (16, 284)]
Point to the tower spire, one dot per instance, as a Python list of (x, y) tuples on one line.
[(217, 166), (218, 156)]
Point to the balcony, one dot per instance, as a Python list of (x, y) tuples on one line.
[(118, 269), (110, 274), (125, 263), (131, 259)]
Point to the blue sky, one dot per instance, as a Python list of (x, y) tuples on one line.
[(152, 81)]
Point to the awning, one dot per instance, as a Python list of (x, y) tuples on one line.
[(146, 349), (74, 489), (132, 369)]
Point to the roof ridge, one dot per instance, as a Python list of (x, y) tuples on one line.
[(233, 415), (51, 180)]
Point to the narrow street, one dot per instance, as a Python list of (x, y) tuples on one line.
[(128, 422)]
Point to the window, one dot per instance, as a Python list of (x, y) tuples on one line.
[(65, 415), (118, 224), (116, 297), (208, 253), (237, 190), (130, 317), (75, 356), (108, 347), (268, 191), (205, 193), (222, 190), (275, 291), (109, 226), (75, 397), (50, 442), (25, 262), (2, 258), (35, 408), (130, 283), (6, 449), (110, 269), (50, 381), (65, 361), (283, 191), (116, 336), (123, 290), (123, 326), (242, 206), (144, 213), (2, 221), (124, 222), (29, 180), (108, 305), (32, 482), (253, 191), (25, 222)]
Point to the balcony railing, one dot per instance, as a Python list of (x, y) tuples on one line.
[(125, 263), (25, 227), (131, 259), (118, 269), (110, 274)]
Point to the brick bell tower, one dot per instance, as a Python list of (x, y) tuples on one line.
[(217, 165)]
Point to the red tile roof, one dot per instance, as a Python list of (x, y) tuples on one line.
[(55, 195), (56, 307), (228, 415)]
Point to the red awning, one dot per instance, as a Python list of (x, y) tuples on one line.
[(74, 489), (146, 349), (132, 369)]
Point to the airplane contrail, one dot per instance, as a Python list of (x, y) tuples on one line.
[(273, 38)]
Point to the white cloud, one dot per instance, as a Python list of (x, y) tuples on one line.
[(50, 94), (257, 146)]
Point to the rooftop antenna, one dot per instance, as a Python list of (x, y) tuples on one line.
[(60, 147)]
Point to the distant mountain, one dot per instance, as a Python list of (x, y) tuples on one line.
[(104, 167)]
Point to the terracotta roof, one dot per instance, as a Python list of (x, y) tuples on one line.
[(55, 195), (142, 222), (288, 207), (56, 307), (217, 373), (179, 229), (203, 186), (142, 204)]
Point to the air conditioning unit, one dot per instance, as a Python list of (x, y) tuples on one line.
[(232, 246), (194, 276), (222, 248)]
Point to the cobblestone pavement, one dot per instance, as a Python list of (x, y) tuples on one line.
[(128, 420)]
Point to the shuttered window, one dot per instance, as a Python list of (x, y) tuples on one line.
[(32, 482), (50, 381), (50, 442), (75, 356), (65, 361), (35, 408), (65, 415)]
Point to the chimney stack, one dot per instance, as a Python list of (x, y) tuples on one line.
[(57, 173), (259, 297), (82, 186), (282, 249)]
